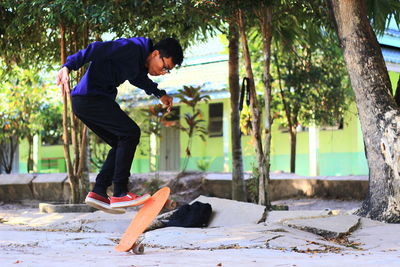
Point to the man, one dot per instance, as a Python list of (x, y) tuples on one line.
[(93, 102)]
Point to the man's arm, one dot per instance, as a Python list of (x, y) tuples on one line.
[(150, 87), (98, 51), (93, 52)]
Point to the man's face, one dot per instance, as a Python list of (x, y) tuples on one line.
[(158, 65)]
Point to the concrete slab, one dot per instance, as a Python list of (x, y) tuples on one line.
[(224, 176), (239, 236), (319, 204), (286, 175), (50, 178), (230, 212), (329, 227), (244, 236), (64, 208), (280, 217), (14, 187), (9, 179), (49, 186), (377, 236), (69, 222)]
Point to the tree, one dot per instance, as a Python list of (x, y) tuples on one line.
[(226, 12), (263, 197), (25, 101), (32, 33), (235, 13), (313, 84), (27, 109), (378, 112), (264, 14)]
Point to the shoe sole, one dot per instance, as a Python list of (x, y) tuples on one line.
[(100, 206), (131, 203)]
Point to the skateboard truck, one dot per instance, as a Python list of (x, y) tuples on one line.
[(138, 247)]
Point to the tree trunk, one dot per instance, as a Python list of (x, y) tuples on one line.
[(1, 157), (73, 181), (397, 94), (83, 166), (84, 162), (288, 113), (378, 112), (293, 143), (266, 32), (29, 166), (255, 113), (75, 123), (7, 151), (238, 183)]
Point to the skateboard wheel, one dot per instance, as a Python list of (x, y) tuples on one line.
[(138, 249)]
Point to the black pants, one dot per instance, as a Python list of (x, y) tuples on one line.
[(106, 119)]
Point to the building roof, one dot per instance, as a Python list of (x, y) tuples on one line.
[(391, 36), (391, 55)]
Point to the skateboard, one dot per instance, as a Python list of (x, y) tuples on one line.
[(133, 237)]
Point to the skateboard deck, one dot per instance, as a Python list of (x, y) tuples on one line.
[(143, 219)]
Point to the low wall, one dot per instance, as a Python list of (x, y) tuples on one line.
[(349, 187), (52, 187), (14, 187), (55, 187)]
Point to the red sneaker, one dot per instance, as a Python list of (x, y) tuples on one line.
[(99, 202), (129, 200)]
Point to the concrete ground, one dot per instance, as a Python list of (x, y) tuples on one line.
[(312, 233)]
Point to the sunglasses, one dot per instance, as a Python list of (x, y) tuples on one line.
[(165, 68)]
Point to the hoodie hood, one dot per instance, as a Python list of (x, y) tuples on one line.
[(146, 46)]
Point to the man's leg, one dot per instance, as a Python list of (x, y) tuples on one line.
[(104, 177), (106, 119), (125, 152), (85, 109)]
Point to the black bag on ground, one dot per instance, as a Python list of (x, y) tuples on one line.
[(195, 215)]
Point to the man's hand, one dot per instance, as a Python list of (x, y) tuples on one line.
[(63, 81), (167, 101)]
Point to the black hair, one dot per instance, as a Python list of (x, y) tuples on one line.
[(170, 47)]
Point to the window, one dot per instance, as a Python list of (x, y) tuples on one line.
[(51, 163), (173, 115), (215, 126)]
